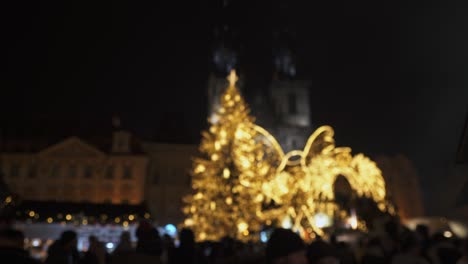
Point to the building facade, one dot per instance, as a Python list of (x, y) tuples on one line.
[(73, 170), (168, 179), (403, 185)]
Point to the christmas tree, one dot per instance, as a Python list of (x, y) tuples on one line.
[(222, 203)]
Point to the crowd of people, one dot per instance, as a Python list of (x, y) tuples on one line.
[(395, 245)]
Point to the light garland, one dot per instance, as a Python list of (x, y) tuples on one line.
[(124, 220)]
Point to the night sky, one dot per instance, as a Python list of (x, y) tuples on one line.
[(389, 76)]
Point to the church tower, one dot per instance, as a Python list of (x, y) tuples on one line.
[(282, 107), (225, 58), (289, 95)]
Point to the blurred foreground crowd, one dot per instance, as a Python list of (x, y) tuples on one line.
[(395, 245)]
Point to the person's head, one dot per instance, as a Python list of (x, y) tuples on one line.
[(68, 239), (125, 236), (410, 244), (146, 231), (320, 252), (285, 246), (422, 231), (186, 237), (12, 237)]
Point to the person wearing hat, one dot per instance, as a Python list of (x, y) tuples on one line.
[(285, 246)]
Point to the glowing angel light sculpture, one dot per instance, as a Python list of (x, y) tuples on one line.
[(300, 182)]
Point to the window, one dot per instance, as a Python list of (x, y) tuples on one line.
[(292, 104), (15, 170), (110, 172), (88, 172), (127, 173), (32, 172), (72, 171)]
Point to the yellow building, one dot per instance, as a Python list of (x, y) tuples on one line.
[(74, 170)]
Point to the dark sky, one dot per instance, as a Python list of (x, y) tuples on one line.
[(389, 76)]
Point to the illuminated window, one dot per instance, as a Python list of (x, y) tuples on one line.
[(127, 173), (292, 104), (110, 172), (88, 172)]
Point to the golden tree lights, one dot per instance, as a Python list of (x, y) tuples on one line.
[(245, 181), (221, 205)]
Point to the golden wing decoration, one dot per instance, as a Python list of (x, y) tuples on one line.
[(257, 155)]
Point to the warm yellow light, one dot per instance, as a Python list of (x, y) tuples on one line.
[(232, 78), (353, 222), (188, 222), (242, 226), (84, 222), (222, 133), (226, 173), (50, 220), (32, 213), (202, 236), (117, 220), (68, 217), (146, 216), (131, 217), (8, 199), (200, 168), (259, 198), (125, 224), (300, 182), (448, 234), (217, 145)]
